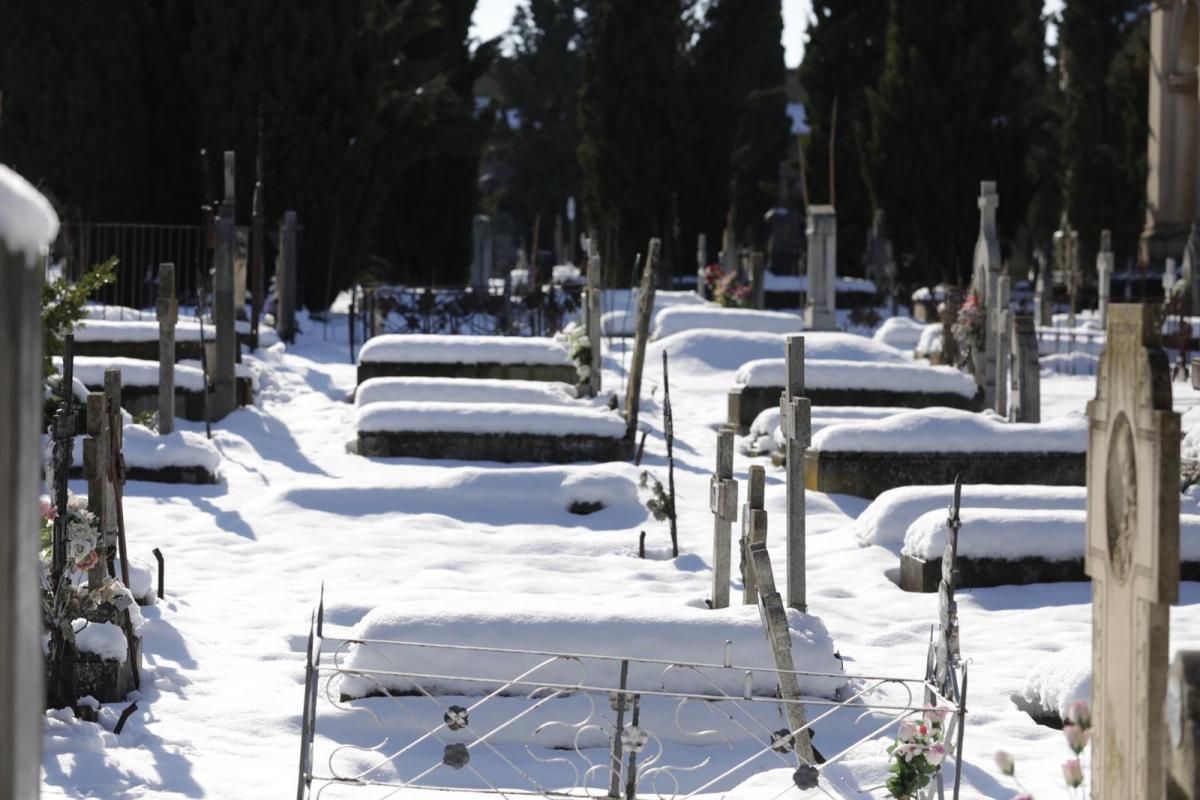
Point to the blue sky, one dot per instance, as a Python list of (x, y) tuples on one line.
[(492, 18)]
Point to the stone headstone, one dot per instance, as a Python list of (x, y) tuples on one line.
[(1105, 261), (1132, 553), (987, 275), (168, 315), (795, 423), (224, 370), (822, 269), (21, 663), (481, 252), (1025, 401), (641, 337), (723, 502)]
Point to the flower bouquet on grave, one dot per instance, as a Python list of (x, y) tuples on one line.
[(968, 328), (732, 291), (579, 350), (917, 754), (1077, 728), (712, 276)]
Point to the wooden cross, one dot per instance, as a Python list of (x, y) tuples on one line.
[(795, 422), (633, 394), (754, 529), (1132, 552), (999, 344), (723, 502)]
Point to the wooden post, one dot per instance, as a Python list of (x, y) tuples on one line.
[(116, 461), (21, 667), (224, 316), (168, 315), (754, 530), (645, 311), (723, 502), (258, 243), (701, 263), (595, 308), (97, 469), (1026, 402), (779, 635), (285, 279), (758, 289), (795, 420)]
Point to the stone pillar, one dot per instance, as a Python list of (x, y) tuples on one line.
[(1132, 553), (481, 258), (987, 275), (1174, 115), (795, 422), (224, 397), (633, 394), (1025, 403), (822, 269), (754, 529), (758, 288), (1182, 713), (1000, 342), (22, 263), (723, 502), (285, 278), (1104, 270), (168, 315)]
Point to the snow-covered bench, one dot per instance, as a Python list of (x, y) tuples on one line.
[(999, 546), (506, 432), (443, 356), (855, 381), (933, 445)]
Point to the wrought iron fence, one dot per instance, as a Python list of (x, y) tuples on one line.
[(520, 722), (139, 250)]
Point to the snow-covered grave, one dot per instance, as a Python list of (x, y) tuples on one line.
[(765, 437), (791, 291), (177, 457), (1000, 546), (105, 337), (902, 333), (466, 390), (448, 356), (491, 431), (139, 383), (934, 445), (843, 369), (620, 318), (677, 319)]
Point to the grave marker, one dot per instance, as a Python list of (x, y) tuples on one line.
[(822, 269), (1000, 343), (723, 502), (481, 259), (1104, 270), (1042, 294), (595, 309), (1132, 553), (795, 423), (642, 334), (21, 668), (168, 315), (754, 530), (98, 469), (285, 278), (758, 289), (224, 375), (779, 635), (701, 259), (258, 243), (987, 278), (1025, 405)]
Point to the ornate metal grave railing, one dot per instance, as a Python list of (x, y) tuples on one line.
[(519, 722), (401, 309)]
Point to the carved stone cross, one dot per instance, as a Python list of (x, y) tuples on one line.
[(1132, 553)]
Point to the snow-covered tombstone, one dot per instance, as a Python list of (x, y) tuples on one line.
[(822, 269), (27, 227), (1132, 552)]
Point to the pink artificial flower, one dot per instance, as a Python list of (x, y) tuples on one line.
[(1005, 762), (1080, 713), (49, 512), (1077, 737), (908, 751), (908, 731), (89, 561), (1072, 772), (1024, 796), (936, 716), (936, 754)]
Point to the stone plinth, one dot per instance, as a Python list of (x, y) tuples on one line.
[(920, 575), (869, 474), (504, 447), (561, 373), (747, 402)]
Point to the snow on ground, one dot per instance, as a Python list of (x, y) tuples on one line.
[(219, 710), (902, 333)]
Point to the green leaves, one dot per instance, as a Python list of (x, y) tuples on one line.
[(62, 308)]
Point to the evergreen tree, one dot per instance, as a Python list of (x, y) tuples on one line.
[(739, 129), (629, 119), (1103, 60), (843, 59), (952, 109), (539, 85)]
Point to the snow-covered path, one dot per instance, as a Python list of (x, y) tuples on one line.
[(220, 705)]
